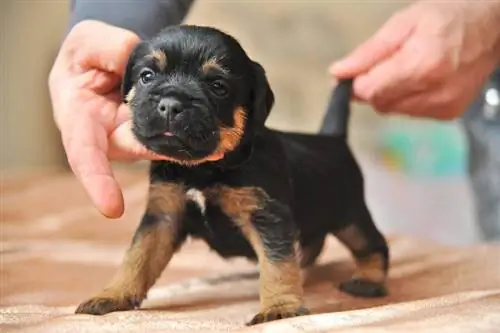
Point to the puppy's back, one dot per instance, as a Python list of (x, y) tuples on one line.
[(325, 175)]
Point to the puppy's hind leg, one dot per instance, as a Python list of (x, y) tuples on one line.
[(369, 249), (155, 241), (311, 252)]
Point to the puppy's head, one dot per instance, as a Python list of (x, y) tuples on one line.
[(194, 94)]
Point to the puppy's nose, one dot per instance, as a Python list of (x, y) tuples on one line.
[(170, 106)]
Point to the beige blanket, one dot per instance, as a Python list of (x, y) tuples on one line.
[(56, 251)]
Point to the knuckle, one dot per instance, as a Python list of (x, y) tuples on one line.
[(74, 45), (83, 27), (130, 39)]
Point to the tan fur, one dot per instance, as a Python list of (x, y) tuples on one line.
[(130, 95), (212, 64), (161, 59), (165, 198), (229, 139), (371, 268), (149, 254), (280, 281)]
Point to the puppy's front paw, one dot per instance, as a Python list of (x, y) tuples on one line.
[(101, 305), (277, 312), (363, 288)]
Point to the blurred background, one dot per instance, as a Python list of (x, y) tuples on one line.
[(415, 170)]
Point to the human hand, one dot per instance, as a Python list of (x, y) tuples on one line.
[(95, 126), (429, 60)]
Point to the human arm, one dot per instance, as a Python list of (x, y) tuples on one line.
[(144, 18)]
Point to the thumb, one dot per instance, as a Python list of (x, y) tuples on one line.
[(386, 41), (124, 146)]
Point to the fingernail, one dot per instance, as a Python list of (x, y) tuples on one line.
[(335, 67)]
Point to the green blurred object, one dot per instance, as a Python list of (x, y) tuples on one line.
[(424, 148)]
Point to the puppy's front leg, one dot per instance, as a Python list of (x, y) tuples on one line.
[(269, 227), (155, 241)]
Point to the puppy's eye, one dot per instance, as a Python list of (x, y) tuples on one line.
[(219, 88), (146, 75)]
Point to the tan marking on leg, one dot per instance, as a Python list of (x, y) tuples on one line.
[(146, 258), (166, 198), (371, 268), (281, 289)]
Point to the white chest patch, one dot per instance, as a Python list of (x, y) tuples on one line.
[(198, 198)]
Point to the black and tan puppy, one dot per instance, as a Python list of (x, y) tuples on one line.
[(250, 191)]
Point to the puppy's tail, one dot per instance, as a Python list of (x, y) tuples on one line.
[(336, 120)]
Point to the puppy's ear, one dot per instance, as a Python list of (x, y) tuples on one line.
[(138, 52), (263, 96)]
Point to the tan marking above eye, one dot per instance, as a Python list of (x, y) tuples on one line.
[(161, 59), (213, 64)]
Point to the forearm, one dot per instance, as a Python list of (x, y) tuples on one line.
[(145, 18)]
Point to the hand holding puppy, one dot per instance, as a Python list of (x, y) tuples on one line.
[(95, 126), (429, 60)]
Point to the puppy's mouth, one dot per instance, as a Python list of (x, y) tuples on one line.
[(178, 141), (166, 138)]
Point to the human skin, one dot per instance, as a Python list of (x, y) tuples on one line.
[(428, 60), (84, 87), (94, 123)]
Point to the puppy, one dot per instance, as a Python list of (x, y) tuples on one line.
[(247, 190)]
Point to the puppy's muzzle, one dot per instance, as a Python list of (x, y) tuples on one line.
[(169, 107)]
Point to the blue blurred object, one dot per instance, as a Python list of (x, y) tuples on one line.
[(424, 148)]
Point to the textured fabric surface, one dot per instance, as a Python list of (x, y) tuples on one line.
[(56, 251)]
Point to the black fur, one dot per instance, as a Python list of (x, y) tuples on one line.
[(312, 183), (274, 225)]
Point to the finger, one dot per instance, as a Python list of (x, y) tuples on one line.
[(432, 104), (383, 44), (392, 79), (100, 51), (123, 115), (124, 145), (85, 144)]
